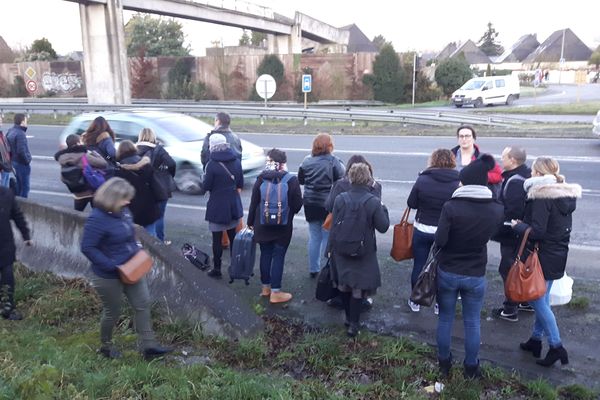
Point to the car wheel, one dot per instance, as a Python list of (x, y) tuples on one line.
[(478, 103), (510, 99), (458, 105), (188, 180)]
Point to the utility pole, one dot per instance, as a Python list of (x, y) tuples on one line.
[(414, 80), (562, 59)]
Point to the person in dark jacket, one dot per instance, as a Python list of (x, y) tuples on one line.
[(9, 209), (274, 239), (160, 160), (467, 151), (467, 222), (433, 188), (358, 277), (109, 241), (341, 186), (20, 154), (70, 158), (549, 213), (222, 122), (224, 180), (5, 154), (318, 172), (137, 171), (100, 137), (512, 197)]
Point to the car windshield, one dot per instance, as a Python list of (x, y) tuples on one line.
[(473, 85), (184, 127)]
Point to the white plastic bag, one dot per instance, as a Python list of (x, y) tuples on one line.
[(561, 291)]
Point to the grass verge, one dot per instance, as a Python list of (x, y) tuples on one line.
[(51, 355)]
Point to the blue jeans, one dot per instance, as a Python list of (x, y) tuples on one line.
[(317, 243), (160, 223), (471, 289), (22, 173), (421, 244), (272, 258), (5, 179), (545, 322), (151, 229)]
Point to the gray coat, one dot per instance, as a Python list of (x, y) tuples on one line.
[(361, 273)]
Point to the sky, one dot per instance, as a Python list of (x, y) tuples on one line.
[(409, 25)]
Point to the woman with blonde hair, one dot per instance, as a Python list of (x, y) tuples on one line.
[(108, 242), (164, 168), (318, 172), (548, 212)]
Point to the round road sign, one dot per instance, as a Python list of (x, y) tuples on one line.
[(266, 86), (31, 86)]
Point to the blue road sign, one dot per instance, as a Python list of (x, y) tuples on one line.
[(306, 83)]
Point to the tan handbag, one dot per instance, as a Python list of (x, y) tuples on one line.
[(328, 222), (525, 280), (402, 242), (135, 269)]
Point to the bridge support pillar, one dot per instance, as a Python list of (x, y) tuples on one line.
[(105, 54), (286, 44)]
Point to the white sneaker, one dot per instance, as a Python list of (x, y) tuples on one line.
[(413, 306), (436, 309)]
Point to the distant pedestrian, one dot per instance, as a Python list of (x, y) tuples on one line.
[(9, 210), (222, 126), (467, 222), (357, 213), (100, 137), (512, 197), (160, 160), (6, 165), (433, 188), (549, 213), (108, 242), (72, 170), (318, 172), (138, 172), (20, 155), (274, 239), (224, 180), (467, 151)]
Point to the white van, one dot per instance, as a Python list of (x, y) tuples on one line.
[(488, 90)]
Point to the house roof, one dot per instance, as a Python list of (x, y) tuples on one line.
[(520, 49), (472, 53), (358, 42), (447, 51), (550, 50)]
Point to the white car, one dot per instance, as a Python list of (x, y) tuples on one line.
[(596, 123), (181, 135)]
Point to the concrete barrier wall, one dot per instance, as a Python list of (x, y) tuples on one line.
[(182, 290)]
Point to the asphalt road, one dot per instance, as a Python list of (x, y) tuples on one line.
[(396, 162)]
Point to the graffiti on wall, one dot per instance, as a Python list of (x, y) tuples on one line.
[(61, 83)]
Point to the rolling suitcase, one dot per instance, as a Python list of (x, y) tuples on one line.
[(242, 256)]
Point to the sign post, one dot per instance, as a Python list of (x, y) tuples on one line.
[(306, 86), (265, 87)]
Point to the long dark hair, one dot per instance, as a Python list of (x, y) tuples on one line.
[(97, 127), (355, 159)]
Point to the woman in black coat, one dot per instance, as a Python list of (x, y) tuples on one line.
[(224, 179), (137, 171), (9, 209), (433, 188), (274, 239), (356, 277), (548, 212)]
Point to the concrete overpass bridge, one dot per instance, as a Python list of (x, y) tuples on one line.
[(105, 53)]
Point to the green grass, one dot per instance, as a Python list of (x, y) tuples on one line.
[(582, 108), (52, 355), (579, 303)]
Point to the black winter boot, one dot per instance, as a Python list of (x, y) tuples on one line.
[(553, 355), (445, 366), (472, 371), (215, 272), (532, 345), (354, 316)]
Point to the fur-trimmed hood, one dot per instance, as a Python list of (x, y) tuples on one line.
[(554, 191)]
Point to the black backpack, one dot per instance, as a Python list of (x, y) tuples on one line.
[(351, 226), (5, 163), (162, 183), (72, 176), (197, 257)]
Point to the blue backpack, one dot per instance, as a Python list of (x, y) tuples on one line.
[(94, 177), (274, 206)]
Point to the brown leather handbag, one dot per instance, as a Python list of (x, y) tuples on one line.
[(525, 280), (135, 269), (402, 242)]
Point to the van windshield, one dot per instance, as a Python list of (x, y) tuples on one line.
[(473, 85)]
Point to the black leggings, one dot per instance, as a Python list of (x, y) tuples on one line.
[(217, 247), (7, 284)]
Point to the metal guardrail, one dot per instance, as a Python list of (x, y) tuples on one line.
[(432, 118)]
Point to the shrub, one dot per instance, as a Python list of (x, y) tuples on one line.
[(451, 74), (386, 80)]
